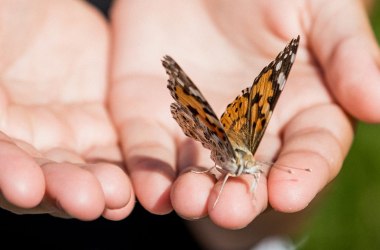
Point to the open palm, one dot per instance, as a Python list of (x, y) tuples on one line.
[(223, 47), (57, 140)]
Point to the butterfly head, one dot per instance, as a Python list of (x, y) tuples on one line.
[(245, 162)]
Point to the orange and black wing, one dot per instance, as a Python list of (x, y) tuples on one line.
[(247, 117), (195, 116)]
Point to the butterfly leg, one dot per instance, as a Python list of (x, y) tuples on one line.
[(203, 171), (221, 189), (255, 182)]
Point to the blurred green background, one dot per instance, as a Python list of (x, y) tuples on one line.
[(349, 215)]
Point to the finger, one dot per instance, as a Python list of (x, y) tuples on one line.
[(237, 205), (191, 191), (318, 138), (120, 213), (148, 145), (116, 187), (74, 190), (150, 157), (22, 182), (190, 194), (194, 194), (115, 183), (346, 48)]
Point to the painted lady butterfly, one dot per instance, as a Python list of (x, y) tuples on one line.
[(234, 139)]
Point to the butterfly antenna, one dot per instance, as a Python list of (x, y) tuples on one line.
[(285, 168), (221, 189)]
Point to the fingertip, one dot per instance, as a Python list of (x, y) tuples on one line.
[(353, 75), (237, 206), (309, 142), (363, 103), (120, 213), (153, 193), (360, 93), (24, 190), (76, 191), (292, 192), (21, 180), (293, 200), (150, 158), (115, 183), (152, 181), (349, 56), (190, 195)]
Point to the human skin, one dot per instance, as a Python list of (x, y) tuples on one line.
[(222, 47), (62, 123), (58, 145)]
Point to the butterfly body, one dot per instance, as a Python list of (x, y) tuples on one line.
[(234, 138)]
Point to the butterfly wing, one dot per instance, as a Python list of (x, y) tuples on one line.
[(247, 117), (196, 117)]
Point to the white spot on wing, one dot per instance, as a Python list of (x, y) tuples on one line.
[(180, 82), (292, 58), (278, 65), (195, 92), (281, 80)]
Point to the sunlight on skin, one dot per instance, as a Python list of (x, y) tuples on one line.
[(57, 132), (222, 58), (55, 105)]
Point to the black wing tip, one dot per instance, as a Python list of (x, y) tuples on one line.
[(295, 41), (293, 44), (171, 66), (290, 48), (167, 58), (167, 61)]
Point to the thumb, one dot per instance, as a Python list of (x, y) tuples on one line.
[(344, 45)]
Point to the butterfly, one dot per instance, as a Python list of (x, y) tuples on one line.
[(234, 138)]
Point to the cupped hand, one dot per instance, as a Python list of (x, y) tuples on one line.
[(222, 47), (58, 149)]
